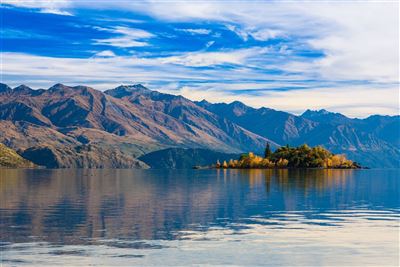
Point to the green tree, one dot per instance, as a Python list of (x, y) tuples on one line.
[(267, 152)]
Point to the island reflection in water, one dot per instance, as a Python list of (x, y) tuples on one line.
[(181, 217)]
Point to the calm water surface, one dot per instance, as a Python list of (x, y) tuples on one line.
[(199, 217)]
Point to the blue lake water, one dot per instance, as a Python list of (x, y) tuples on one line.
[(199, 217)]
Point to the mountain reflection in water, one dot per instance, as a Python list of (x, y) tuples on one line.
[(101, 215)]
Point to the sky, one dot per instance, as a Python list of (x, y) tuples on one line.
[(342, 56)]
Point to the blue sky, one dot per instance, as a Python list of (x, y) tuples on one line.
[(285, 55)]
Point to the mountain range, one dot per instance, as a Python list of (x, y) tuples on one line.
[(82, 127)]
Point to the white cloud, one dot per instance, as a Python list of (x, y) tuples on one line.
[(55, 11), (203, 59), (44, 6), (105, 53), (97, 71), (239, 32), (365, 44), (360, 39), (265, 34), (128, 37), (196, 31)]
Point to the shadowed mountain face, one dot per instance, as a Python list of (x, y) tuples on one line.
[(82, 127), (374, 141)]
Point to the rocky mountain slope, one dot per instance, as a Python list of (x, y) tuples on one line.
[(72, 126), (374, 141), (192, 117)]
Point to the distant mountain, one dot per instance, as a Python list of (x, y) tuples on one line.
[(81, 127), (10, 159), (184, 158), (374, 141)]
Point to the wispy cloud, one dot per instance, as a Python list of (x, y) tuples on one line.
[(105, 53), (43, 6), (127, 37), (205, 59), (263, 34), (195, 31), (55, 11), (239, 32), (337, 29)]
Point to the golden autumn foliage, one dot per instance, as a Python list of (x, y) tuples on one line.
[(291, 157), (224, 165)]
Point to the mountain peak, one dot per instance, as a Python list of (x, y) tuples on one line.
[(203, 103), (139, 86), (126, 90), (4, 88), (237, 104), (239, 108), (133, 87), (23, 88), (324, 115), (310, 112), (58, 86)]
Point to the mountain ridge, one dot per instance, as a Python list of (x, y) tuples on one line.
[(134, 120)]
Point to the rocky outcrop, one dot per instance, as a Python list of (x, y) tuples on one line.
[(10, 159)]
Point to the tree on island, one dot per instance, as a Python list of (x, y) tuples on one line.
[(267, 152)]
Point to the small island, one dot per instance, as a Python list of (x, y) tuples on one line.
[(290, 157)]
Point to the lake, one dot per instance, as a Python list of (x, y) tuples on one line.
[(199, 217)]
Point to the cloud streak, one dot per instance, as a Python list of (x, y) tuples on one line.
[(127, 37), (52, 7), (195, 31)]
